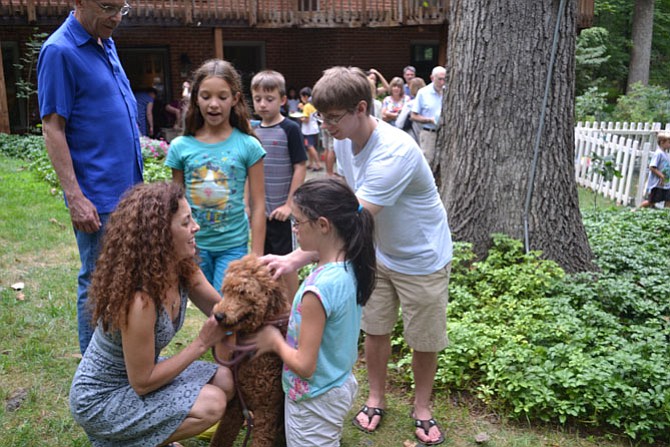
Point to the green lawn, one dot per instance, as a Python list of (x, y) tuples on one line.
[(586, 200), (39, 350)]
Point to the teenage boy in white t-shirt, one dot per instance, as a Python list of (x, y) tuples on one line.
[(392, 179)]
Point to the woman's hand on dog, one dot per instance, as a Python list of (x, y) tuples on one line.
[(211, 332), (266, 340)]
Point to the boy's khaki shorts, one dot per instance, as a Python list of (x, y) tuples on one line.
[(423, 300)]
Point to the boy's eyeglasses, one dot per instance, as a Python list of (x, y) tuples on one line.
[(111, 11), (330, 120)]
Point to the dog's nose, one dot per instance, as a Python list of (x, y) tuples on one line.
[(219, 316)]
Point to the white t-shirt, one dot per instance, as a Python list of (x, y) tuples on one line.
[(412, 232), (661, 161)]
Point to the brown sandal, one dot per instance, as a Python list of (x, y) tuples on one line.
[(370, 412), (426, 425)]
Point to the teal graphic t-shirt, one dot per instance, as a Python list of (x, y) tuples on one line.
[(214, 177)]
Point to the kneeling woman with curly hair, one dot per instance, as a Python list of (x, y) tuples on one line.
[(123, 393)]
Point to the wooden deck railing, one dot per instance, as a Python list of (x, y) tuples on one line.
[(259, 13)]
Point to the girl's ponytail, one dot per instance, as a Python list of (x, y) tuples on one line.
[(360, 250)]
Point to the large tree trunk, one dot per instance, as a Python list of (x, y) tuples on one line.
[(498, 57), (640, 55)]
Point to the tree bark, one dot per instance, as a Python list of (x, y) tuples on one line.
[(499, 53), (640, 55)]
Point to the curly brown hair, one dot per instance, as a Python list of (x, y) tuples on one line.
[(137, 253)]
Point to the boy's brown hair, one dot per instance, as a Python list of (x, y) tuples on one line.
[(342, 88), (662, 137), (269, 80)]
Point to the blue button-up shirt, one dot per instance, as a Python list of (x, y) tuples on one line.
[(84, 83)]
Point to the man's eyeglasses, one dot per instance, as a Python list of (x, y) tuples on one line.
[(330, 120), (111, 11)]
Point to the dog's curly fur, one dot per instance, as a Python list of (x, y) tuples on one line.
[(251, 298)]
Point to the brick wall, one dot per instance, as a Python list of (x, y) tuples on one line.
[(299, 54)]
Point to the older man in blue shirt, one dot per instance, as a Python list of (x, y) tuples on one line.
[(426, 110), (89, 122)]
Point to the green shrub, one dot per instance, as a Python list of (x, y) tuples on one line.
[(590, 55), (590, 348), (643, 104), (591, 105), (31, 149), (24, 147)]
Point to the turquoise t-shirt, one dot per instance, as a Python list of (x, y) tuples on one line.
[(335, 285), (214, 177)]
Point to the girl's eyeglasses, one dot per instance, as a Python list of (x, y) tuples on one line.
[(296, 223)]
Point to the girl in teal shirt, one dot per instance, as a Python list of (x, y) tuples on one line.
[(321, 344), (213, 160)]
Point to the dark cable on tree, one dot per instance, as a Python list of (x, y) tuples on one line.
[(536, 148)]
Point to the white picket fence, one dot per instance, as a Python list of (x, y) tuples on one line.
[(629, 144)]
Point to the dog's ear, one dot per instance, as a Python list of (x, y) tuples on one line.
[(277, 300)]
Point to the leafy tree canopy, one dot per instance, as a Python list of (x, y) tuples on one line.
[(616, 17)]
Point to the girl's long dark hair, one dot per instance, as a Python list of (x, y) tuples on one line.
[(239, 114), (334, 200)]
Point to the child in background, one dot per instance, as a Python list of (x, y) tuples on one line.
[(310, 129), (321, 343), (284, 164), (213, 160), (658, 184), (293, 101)]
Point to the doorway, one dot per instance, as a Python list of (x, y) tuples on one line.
[(147, 67), (248, 59), (424, 57), (18, 117)]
